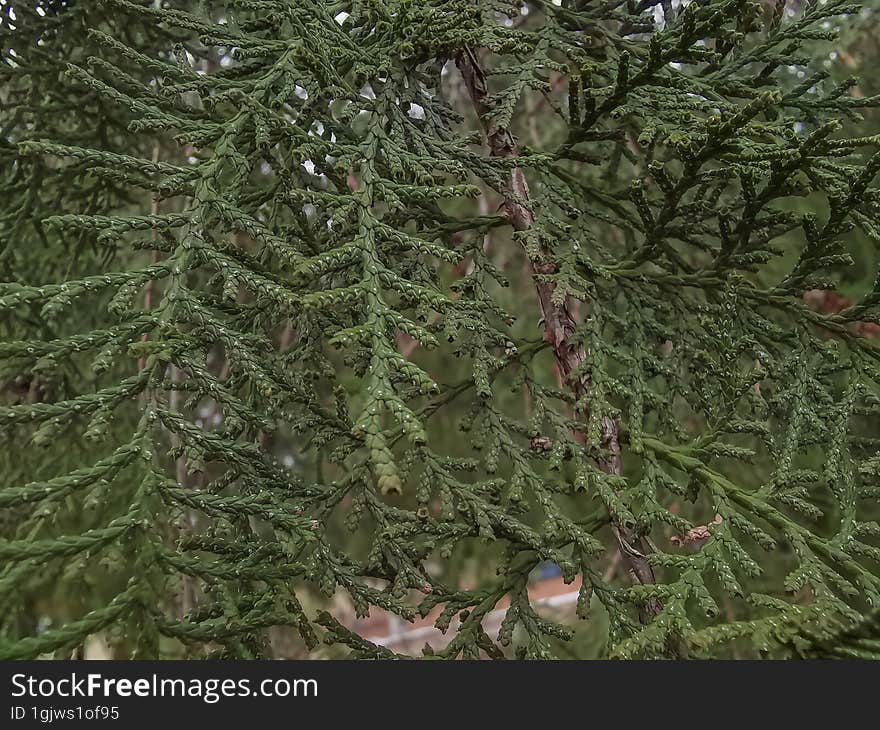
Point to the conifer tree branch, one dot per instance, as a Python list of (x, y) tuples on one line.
[(694, 182), (559, 324)]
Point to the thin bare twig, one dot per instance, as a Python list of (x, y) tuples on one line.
[(559, 324)]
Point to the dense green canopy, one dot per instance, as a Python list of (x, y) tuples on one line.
[(310, 306)]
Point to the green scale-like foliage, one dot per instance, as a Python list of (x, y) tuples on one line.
[(261, 259)]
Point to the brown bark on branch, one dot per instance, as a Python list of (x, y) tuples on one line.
[(559, 325)]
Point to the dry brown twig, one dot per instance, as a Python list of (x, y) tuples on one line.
[(559, 324)]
